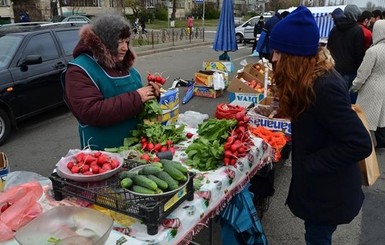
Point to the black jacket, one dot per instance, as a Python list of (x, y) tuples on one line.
[(347, 45), (328, 141)]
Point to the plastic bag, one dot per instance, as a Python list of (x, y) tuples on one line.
[(219, 81), (21, 177), (20, 205), (191, 118)]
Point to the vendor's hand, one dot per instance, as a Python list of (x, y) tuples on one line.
[(156, 87), (146, 93)]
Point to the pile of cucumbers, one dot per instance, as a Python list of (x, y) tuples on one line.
[(155, 178)]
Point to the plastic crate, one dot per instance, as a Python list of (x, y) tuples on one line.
[(109, 194)]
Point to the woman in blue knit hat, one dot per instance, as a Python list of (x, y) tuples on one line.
[(328, 138)]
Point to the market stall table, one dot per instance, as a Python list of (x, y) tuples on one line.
[(217, 188)]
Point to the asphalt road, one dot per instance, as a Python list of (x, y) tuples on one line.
[(41, 141)]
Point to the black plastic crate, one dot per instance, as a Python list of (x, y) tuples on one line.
[(109, 194)]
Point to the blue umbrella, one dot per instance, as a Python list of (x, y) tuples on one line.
[(225, 39)]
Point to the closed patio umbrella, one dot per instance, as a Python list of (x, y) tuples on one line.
[(225, 39)]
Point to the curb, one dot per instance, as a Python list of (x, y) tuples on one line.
[(149, 50)]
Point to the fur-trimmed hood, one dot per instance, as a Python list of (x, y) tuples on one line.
[(92, 44)]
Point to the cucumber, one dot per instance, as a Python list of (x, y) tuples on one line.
[(145, 182), (161, 183), (126, 183), (158, 191), (172, 184), (150, 170), (157, 164), (142, 190), (126, 174), (176, 165), (174, 173)]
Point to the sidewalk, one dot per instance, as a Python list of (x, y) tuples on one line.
[(163, 47)]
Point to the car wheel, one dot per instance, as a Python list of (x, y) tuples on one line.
[(5, 126), (239, 38)]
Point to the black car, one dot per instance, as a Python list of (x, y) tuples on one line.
[(31, 64)]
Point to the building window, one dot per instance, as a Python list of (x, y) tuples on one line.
[(79, 3)]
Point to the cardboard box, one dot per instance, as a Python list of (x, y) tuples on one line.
[(209, 92), (273, 124), (260, 75), (223, 66), (206, 78), (241, 91), (169, 103)]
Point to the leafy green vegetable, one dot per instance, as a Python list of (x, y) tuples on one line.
[(204, 154), (151, 110), (216, 129), (156, 132)]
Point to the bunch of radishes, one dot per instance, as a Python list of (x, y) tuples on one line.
[(156, 147), (156, 78), (238, 143), (92, 163)]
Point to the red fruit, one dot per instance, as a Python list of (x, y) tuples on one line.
[(102, 159), (107, 166), (70, 165), (114, 163), (97, 154), (156, 159), (95, 169), (75, 170), (189, 135), (164, 148), (146, 157), (158, 79), (172, 150), (85, 168)]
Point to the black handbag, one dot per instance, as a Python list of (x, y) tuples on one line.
[(380, 137)]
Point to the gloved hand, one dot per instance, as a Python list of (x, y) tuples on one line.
[(352, 89)]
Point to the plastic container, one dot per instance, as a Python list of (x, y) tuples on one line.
[(108, 193), (64, 224)]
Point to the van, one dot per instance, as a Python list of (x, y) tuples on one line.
[(245, 32)]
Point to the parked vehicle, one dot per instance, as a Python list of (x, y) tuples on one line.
[(31, 64), (245, 32), (81, 18)]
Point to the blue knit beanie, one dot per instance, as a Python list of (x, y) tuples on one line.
[(296, 34)]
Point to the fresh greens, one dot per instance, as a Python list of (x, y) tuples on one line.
[(204, 154), (151, 110), (216, 129)]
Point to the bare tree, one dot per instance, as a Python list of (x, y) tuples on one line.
[(135, 5)]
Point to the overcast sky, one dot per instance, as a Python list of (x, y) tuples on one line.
[(362, 3)]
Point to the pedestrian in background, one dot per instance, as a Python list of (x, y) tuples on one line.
[(371, 86), (190, 25), (346, 43), (143, 25), (364, 21), (377, 15), (337, 14), (263, 46), (328, 137), (258, 26), (102, 88)]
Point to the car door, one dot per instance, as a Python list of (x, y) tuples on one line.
[(38, 86), (249, 29)]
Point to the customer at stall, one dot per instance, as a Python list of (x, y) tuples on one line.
[(327, 135), (346, 43), (370, 84), (102, 88)]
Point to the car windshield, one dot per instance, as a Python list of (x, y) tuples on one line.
[(8, 47)]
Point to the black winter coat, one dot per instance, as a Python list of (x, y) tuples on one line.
[(328, 141), (346, 43)]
